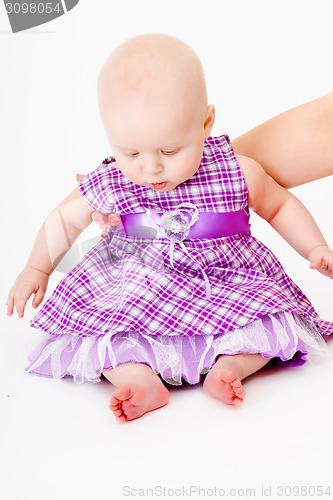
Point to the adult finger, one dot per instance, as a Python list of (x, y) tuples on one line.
[(80, 176), (114, 219), (99, 218)]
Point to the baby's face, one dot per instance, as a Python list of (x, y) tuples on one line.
[(157, 145)]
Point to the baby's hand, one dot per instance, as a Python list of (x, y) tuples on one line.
[(321, 258), (29, 281), (103, 220)]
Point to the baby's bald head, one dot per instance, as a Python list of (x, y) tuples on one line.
[(153, 105), (153, 69)]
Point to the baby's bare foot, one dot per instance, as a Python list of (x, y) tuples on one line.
[(139, 390), (132, 401), (223, 384)]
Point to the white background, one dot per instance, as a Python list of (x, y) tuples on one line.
[(59, 440)]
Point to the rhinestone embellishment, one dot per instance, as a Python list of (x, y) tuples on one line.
[(176, 224)]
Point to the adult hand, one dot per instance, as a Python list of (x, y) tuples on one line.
[(105, 220)]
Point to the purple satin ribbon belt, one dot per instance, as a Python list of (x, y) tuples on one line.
[(210, 225)]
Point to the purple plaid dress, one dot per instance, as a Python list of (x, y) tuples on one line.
[(127, 301)]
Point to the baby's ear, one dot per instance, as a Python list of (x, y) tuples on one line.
[(209, 120), (79, 176)]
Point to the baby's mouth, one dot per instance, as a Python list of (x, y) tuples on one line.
[(158, 185)]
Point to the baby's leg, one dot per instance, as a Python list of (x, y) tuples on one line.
[(223, 382), (139, 390)]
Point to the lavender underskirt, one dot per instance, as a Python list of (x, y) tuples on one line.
[(285, 336)]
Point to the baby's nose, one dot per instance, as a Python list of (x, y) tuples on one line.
[(153, 166)]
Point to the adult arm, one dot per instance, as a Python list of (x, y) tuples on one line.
[(296, 146)]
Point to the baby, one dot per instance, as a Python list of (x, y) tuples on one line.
[(182, 288)]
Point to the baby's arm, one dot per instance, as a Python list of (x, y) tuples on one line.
[(56, 236), (287, 215)]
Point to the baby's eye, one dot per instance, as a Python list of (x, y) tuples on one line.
[(171, 152), (133, 155)]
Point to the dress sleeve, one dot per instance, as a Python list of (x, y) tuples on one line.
[(96, 188)]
